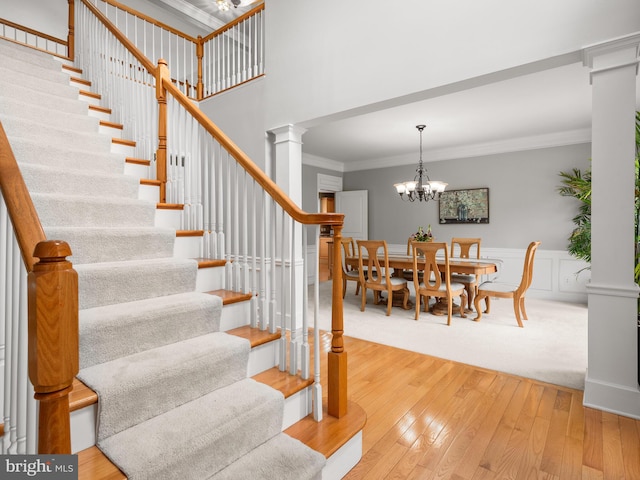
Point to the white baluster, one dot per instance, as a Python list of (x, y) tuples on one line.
[(293, 288), (305, 367), (317, 387), (283, 297)]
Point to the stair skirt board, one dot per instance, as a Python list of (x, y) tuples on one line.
[(174, 397)]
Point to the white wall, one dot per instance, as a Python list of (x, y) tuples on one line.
[(47, 16), (239, 112), (332, 56)]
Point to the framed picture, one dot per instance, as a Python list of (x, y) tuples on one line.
[(465, 206)]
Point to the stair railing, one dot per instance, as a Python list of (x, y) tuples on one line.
[(39, 313), (29, 37), (234, 54), (201, 67), (247, 218)]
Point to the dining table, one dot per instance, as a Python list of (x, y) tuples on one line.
[(400, 262)]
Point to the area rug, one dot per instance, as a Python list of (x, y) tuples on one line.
[(552, 346)]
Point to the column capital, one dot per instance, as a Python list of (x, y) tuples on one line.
[(612, 54), (288, 133)]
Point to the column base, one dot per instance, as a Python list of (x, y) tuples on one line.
[(618, 399)]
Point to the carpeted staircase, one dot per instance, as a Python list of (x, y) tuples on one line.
[(174, 397)]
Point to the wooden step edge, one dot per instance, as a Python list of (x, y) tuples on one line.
[(229, 297), (81, 396), (255, 336), (94, 465), (80, 80), (87, 93), (72, 69), (150, 182), (123, 141), (117, 126), (284, 382), (170, 206), (1, 429), (210, 262), (101, 109), (331, 433), (189, 233), (137, 161)]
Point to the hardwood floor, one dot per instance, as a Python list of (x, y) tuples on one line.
[(433, 418)]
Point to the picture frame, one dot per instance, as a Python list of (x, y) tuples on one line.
[(464, 206)]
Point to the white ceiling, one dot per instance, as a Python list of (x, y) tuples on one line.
[(531, 110)]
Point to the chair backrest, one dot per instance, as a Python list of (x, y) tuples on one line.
[(409, 242), (368, 253), (424, 259), (348, 250), (527, 270), (465, 245)]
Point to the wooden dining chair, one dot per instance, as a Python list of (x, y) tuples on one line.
[(373, 258), (349, 273), (463, 248), (486, 290), (435, 282)]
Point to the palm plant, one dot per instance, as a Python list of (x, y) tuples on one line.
[(577, 184)]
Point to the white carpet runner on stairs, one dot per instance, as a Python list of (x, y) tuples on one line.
[(175, 400)]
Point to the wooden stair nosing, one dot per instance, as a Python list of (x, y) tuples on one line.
[(170, 206), (229, 297), (150, 182), (210, 262), (284, 382), (255, 336), (117, 126), (189, 233), (123, 141), (87, 93), (138, 161), (73, 69), (99, 108), (80, 80)]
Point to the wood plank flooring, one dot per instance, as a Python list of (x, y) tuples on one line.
[(432, 418)]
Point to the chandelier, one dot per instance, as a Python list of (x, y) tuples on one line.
[(419, 189)]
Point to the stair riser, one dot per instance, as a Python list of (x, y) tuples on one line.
[(168, 218), (99, 285), (211, 278), (132, 169), (188, 247), (83, 211), (26, 151), (235, 315), (149, 192)]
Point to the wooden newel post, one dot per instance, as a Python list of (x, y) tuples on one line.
[(71, 39), (199, 56), (161, 153), (53, 342), (337, 357)]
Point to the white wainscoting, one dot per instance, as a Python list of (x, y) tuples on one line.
[(556, 274)]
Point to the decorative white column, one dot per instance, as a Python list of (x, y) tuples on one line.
[(287, 171), (611, 383)]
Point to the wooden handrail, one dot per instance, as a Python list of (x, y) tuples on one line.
[(233, 23), (33, 32), (26, 224), (258, 175), (52, 308), (147, 18), (146, 63)]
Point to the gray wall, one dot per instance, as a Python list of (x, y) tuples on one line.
[(523, 201)]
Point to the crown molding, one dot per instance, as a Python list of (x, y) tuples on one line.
[(321, 162)]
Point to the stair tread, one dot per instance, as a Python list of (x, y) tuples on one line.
[(255, 336), (331, 433), (94, 465), (229, 296), (189, 233), (81, 396), (284, 382)]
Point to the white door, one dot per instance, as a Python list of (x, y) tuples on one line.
[(354, 205)]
